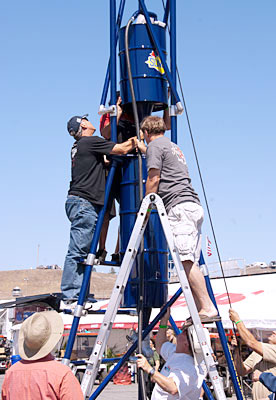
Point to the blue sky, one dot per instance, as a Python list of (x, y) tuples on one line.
[(53, 62)]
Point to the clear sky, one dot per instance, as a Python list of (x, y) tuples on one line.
[(53, 61)]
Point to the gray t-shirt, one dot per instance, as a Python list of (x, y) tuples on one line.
[(175, 184)]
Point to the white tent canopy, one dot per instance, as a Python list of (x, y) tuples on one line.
[(253, 297)]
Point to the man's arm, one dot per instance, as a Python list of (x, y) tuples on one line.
[(157, 364), (124, 148), (166, 113), (106, 130), (142, 147), (166, 384), (242, 369), (153, 181), (161, 336), (246, 336), (167, 119)]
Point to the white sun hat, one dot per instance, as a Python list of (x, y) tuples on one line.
[(39, 335)]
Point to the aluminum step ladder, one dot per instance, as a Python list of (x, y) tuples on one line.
[(150, 201)]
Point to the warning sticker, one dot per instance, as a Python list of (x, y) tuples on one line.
[(155, 62)]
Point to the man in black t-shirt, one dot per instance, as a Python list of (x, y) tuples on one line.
[(85, 198)]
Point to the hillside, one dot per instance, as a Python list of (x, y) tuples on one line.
[(39, 281)]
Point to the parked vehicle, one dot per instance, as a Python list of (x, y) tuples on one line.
[(4, 354), (272, 264), (260, 264)]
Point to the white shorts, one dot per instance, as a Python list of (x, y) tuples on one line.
[(185, 221)]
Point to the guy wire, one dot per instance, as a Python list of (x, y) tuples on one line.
[(200, 176)]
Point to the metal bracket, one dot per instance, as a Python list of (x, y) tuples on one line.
[(179, 108), (65, 361), (172, 111), (175, 110), (78, 311), (90, 259), (112, 110), (204, 269)]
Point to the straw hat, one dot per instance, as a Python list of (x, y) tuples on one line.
[(39, 335)]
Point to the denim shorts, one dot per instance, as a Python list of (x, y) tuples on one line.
[(186, 221)]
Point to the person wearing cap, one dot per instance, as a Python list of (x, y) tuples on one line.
[(181, 377), (38, 376), (85, 198), (263, 357), (125, 129)]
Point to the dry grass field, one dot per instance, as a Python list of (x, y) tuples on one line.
[(40, 281)]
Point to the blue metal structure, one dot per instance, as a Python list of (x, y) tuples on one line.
[(155, 245), (126, 356), (88, 269), (223, 340), (150, 86)]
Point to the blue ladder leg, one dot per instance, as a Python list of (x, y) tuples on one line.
[(88, 269)]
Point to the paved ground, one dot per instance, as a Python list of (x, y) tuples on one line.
[(119, 392), (116, 392)]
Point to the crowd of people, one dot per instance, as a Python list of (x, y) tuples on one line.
[(38, 375)]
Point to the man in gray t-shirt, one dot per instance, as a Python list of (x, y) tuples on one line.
[(169, 177)]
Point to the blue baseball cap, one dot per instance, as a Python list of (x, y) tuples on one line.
[(73, 124)]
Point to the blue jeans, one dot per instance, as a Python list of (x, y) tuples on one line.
[(83, 216)]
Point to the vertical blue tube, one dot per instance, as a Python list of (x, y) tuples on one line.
[(207, 391), (174, 326), (112, 71), (88, 268), (173, 65), (125, 357), (107, 76), (166, 14), (160, 53), (223, 340)]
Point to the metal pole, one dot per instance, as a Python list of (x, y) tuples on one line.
[(166, 14), (88, 268), (37, 256), (161, 55), (107, 76), (173, 66), (228, 356), (113, 42), (140, 257), (207, 391), (134, 346)]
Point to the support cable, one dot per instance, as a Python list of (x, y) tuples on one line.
[(201, 179), (205, 197), (141, 195)]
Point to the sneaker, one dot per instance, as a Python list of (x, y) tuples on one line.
[(100, 255), (70, 305)]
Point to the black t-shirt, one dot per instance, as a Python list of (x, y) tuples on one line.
[(88, 170)]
